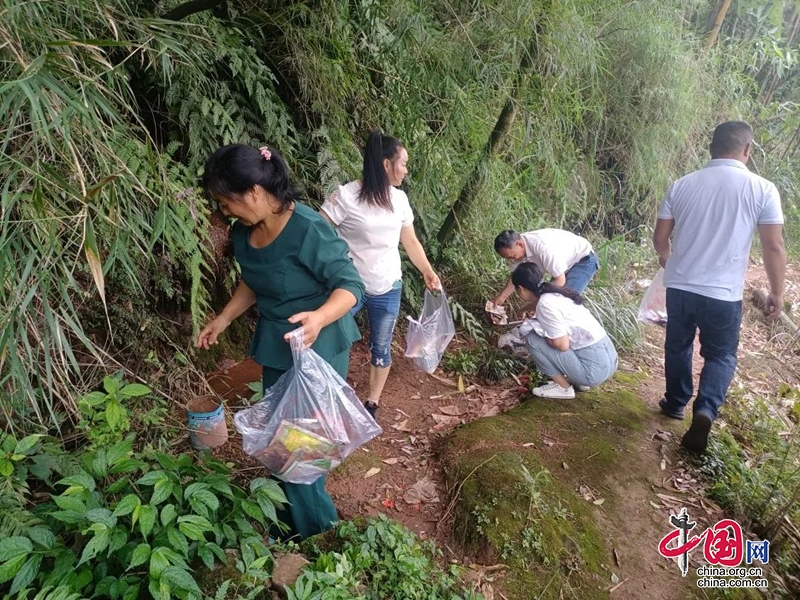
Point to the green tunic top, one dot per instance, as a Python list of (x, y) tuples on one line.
[(296, 272)]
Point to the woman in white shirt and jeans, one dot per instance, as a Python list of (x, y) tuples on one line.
[(567, 343), (374, 217)]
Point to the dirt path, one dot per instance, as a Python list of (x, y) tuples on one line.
[(398, 473)]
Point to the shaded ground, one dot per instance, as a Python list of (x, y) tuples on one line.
[(616, 471)]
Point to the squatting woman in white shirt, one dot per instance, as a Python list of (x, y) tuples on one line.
[(567, 343), (374, 217)]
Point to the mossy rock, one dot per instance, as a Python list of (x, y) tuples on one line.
[(519, 474)]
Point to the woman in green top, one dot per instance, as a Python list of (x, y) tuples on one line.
[(297, 271)]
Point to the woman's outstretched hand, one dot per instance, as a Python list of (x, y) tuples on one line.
[(211, 332)]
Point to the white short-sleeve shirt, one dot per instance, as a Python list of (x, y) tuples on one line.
[(556, 251), (372, 234), (716, 211), (557, 316)]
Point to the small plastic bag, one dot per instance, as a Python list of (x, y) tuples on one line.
[(308, 422), (653, 308), (428, 337)]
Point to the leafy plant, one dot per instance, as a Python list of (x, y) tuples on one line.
[(122, 525), (105, 418), (487, 363), (378, 559)]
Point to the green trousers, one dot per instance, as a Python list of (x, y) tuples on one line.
[(310, 509)]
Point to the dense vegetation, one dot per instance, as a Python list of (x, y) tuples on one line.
[(516, 113)]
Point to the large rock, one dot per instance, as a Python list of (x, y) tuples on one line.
[(530, 485), (287, 569)]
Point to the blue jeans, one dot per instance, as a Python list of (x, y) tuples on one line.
[(718, 322), (382, 312), (581, 273), (588, 366)]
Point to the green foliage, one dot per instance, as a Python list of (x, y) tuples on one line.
[(88, 197), (125, 527), (618, 312), (104, 414), (380, 559), (754, 470), (484, 362)]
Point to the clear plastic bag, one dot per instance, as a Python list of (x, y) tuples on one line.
[(653, 308), (428, 337), (308, 422)]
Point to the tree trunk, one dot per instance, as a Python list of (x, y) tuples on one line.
[(474, 181), (715, 21), (499, 133)]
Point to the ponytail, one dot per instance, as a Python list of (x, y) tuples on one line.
[(375, 187), (530, 276)]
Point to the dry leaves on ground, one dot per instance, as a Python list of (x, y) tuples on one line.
[(422, 491)]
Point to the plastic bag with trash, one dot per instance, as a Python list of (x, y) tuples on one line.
[(653, 308), (308, 422), (428, 337)]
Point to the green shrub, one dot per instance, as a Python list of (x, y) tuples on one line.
[(376, 560), (125, 527)]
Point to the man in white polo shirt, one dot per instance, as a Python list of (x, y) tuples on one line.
[(568, 258), (711, 216)]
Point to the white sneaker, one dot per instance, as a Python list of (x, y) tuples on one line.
[(583, 388), (553, 390)]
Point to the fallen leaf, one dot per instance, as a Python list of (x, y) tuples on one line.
[(391, 461), (616, 558), (662, 435), (452, 410), (444, 380), (655, 505), (586, 493), (528, 445), (405, 414), (565, 465), (422, 491), (371, 472), (460, 383), (663, 464), (599, 501), (614, 578), (401, 426), (388, 503), (445, 419)]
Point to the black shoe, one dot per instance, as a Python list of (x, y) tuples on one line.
[(696, 439), (372, 408), (670, 412)]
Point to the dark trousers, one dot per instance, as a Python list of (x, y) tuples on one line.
[(310, 509), (718, 322)]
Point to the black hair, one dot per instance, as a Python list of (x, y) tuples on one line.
[(530, 276), (506, 239), (375, 187), (233, 170), (730, 137)]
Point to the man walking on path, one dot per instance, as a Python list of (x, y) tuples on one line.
[(711, 215), (568, 258)]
